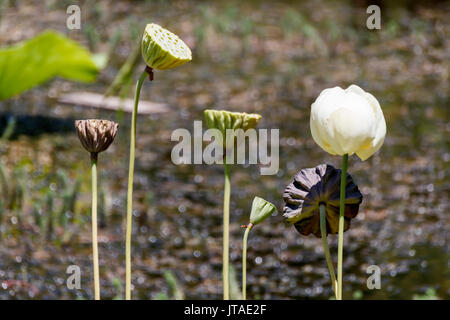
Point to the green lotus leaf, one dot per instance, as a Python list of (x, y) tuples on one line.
[(162, 49), (261, 210), (34, 61)]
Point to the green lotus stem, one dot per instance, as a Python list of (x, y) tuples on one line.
[(326, 249), (341, 224), (130, 187), (226, 234), (94, 226), (244, 262)]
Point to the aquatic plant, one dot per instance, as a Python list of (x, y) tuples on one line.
[(69, 193), (430, 294), (161, 50), (95, 136), (261, 210), (344, 122), (312, 203), (225, 123), (42, 203), (175, 290), (48, 55), (235, 289)]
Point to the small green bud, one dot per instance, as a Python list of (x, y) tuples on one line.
[(162, 49), (261, 210)]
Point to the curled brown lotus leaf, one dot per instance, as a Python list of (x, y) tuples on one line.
[(96, 135), (315, 186)]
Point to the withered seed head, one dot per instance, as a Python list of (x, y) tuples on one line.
[(96, 135), (315, 186)]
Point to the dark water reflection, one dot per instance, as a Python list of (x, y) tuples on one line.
[(277, 71)]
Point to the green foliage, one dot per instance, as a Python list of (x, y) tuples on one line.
[(43, 204), (223, 120), (33, 62), (293, 22), (358, 295), (9, 130), (162, 296), (117, 288), (124, 76), (3, 5)]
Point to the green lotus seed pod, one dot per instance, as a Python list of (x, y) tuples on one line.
[(223, 120), (261, 210), (162, 49)]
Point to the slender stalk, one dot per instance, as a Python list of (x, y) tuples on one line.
[(244, 261), (94, 227), (226, 234), (130, 187), (341, 224), (326, 249)]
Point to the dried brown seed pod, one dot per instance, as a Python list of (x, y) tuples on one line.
[(315, 186), (96, 135)]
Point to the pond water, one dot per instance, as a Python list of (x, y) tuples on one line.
[(263, 57)]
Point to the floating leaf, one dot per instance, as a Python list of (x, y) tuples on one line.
[(33, 62)]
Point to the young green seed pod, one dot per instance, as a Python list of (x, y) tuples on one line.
[(317, 186), (261, 210), (162, 49)]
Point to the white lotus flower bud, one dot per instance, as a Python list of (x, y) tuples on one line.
[(348, 121)]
